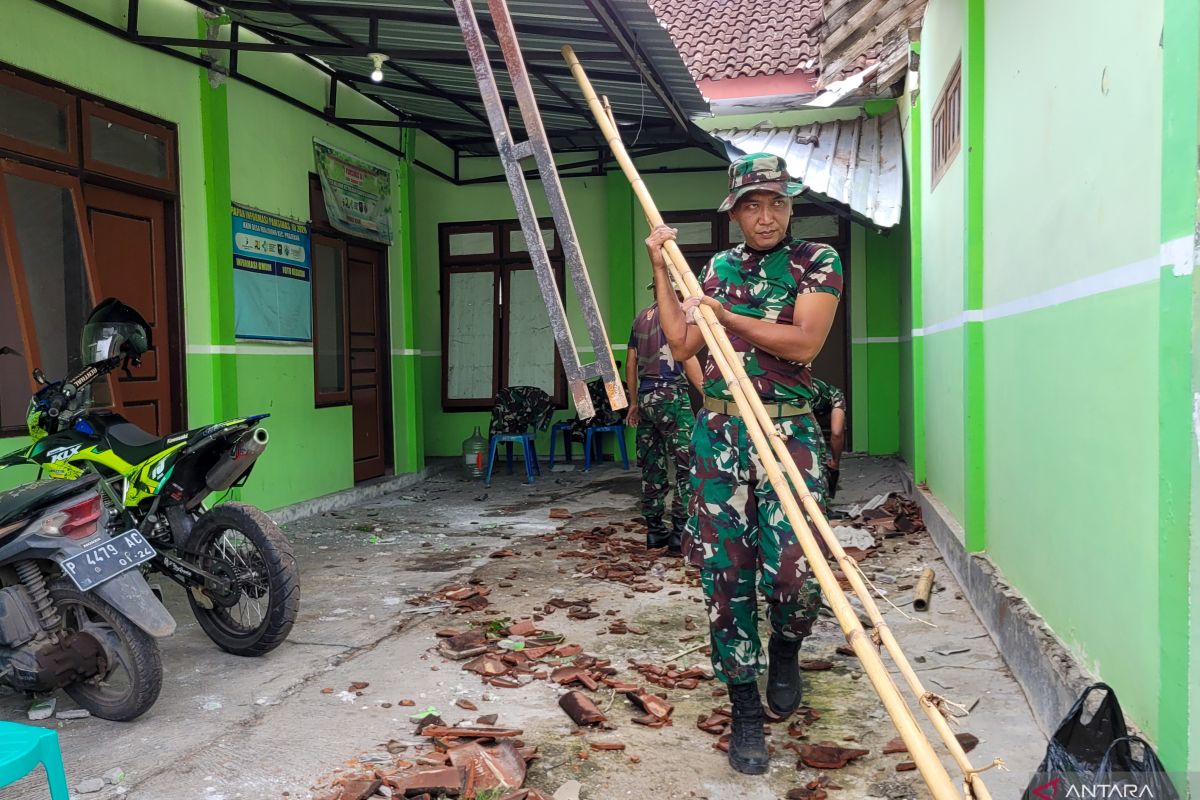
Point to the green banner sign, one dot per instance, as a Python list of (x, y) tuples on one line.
[(358, 194)]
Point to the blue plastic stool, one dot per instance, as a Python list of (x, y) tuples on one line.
[(565, 427), (619, 430), (528, 450), (23, 747)]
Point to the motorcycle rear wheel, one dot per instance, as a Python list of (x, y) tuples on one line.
[(241, 543), (131, 685)]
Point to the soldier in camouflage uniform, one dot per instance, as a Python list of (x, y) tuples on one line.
[(776, 298), (828, 401), (661, 410)]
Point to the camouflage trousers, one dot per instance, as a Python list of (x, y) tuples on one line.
[(664, 435), (739, 536)]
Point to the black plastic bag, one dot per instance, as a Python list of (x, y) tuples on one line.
[(1078, 749), (1139, 776)]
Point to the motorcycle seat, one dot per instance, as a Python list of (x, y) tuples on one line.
[(133, 444)]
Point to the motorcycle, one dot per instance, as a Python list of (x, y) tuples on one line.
[(235, 564), (75, 612)]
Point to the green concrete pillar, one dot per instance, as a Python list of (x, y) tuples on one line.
[(214, 121), (1178, 381), (407, 410), (622, 291), (916, 303), (974, 388)]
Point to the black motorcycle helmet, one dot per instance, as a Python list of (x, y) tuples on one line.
[(113, 329)]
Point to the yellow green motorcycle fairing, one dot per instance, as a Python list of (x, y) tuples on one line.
[(118, 448)]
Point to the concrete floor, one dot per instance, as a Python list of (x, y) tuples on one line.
[(275, 733)]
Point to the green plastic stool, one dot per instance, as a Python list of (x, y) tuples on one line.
[(23, 747)]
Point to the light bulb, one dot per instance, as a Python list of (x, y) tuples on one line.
[(377, 60)]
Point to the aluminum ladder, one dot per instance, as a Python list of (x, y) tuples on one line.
[(537, 147)]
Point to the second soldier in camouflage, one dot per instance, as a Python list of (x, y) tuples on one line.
[(660, 409)]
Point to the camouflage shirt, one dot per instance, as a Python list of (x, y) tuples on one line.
[(519, 408), (826, 397), (648, 344), (764, 285)]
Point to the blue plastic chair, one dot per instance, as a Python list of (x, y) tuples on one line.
[(23, 747), (567, 429), (518, 413), (619, 430), (528, 450)]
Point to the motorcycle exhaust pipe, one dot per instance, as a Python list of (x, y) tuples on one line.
[(234, 462)]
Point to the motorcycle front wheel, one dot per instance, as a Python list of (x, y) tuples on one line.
[(132, 682), (254, 613)]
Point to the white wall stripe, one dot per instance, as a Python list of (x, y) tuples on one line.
[(1135, 274), (405, 351), (876, 340), (241, 349), (1180, 254)]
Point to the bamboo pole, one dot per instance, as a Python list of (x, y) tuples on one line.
[(730, 365), (924, 589)]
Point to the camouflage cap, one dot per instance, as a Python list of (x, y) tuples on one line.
[(759, 172)]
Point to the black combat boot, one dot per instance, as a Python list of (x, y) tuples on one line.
[(675, 540), (783, 676), (656, 533), (747, 744)]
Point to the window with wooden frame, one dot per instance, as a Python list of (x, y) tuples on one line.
[(330, 331), (495, 330), (56, 158), (947, 125)]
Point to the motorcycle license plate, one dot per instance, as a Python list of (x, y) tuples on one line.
[(108, 559)]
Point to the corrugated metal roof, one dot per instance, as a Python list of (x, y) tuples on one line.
[(858, 163), (429, 76)]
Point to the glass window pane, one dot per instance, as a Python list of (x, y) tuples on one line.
[(476, 243), (530, 338), (469, 345), (127, 148), (693, 232), (822, 227), (516, 243), (32, 118), (735, 233), (329, 341), (55, 274), (14, 370)]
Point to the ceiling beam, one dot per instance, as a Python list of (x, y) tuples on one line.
[(366, 11), (122, 33)]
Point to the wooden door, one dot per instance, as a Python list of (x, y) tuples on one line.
[(129, 241), (368, 360)]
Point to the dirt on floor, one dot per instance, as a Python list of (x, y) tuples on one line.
[(564, 556)]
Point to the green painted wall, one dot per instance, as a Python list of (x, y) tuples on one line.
[(942, 225), (1062, 243), (235, 143), (886, 260), (1048, 463), (270, 158)]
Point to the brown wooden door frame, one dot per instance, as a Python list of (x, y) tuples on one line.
[(16, 264)]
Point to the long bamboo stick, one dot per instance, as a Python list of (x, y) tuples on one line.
[(730, 365), (929, 702)]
